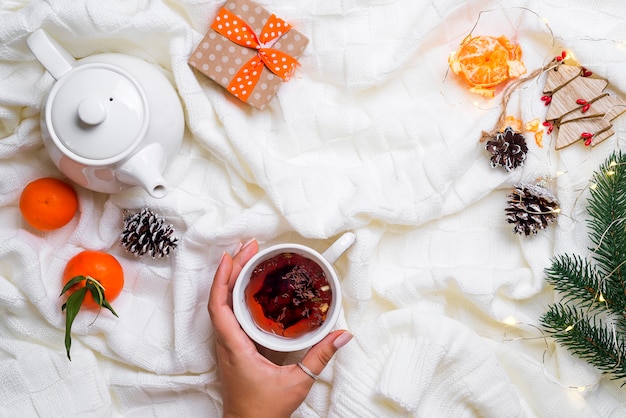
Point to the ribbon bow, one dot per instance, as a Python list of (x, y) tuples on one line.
[(237, 30)]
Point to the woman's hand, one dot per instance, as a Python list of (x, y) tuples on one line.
[(253, 386)]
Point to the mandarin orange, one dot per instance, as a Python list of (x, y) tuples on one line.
[(486, 61), (97, 266), (91, 279), (48, 203)]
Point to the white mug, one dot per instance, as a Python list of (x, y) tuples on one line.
[(325, 260)]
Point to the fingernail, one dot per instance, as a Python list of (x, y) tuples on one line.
[(250, 241), (222, 258), (238, 247), (342, 340)]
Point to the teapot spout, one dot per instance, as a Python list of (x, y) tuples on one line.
[(144, 169)]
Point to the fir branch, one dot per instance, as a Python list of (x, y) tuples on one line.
[(589, 338), (577, 281), (590, 320), (607, 216)]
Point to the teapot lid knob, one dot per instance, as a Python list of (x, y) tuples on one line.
[(92, 111), (96, 112)]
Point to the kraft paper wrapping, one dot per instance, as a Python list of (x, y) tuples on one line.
[(219, 58)]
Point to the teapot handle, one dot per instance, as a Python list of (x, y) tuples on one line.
[(49, 53)]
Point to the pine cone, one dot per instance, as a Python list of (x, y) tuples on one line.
[(508, 149), (144, 232), (531, 208)]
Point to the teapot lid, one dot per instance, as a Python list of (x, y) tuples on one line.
[(97, 112)]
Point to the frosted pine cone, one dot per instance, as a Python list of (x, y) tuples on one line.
[(531, 208), (145, 232), (508, 149)]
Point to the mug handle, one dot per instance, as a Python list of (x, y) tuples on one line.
[(339, 247)]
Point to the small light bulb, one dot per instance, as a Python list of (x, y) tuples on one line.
[(559, 173), (610, 173), (593, 186), (581, 388), (571, 327), (571, 55), (509, 320), (601, 298), (613, 164)]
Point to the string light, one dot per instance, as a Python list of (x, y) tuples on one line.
[(601, 282), (510, 321)]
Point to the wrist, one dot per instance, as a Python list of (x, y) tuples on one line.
[(230, 414)]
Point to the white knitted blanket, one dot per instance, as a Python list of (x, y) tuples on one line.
[(373, 135)]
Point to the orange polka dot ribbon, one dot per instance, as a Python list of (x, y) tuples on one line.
[(237, 30)]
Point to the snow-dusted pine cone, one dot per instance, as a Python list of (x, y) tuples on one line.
[(145, 232), (531, 208), (508, 149)]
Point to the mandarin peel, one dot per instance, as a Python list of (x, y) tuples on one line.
[(484, 62), (534, 126), (513, 122)]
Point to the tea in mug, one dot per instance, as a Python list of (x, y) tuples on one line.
[(288, 295)]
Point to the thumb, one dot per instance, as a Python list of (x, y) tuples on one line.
[(320, 354)]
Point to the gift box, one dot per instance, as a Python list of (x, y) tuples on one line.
[(249, 52)]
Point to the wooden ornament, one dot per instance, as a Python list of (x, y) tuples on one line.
[(579, 107)]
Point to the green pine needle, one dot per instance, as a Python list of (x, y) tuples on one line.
[(607, 217), (588, 337), (576, 279), (590, 320)]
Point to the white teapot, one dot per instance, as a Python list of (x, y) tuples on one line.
[(110, 120)]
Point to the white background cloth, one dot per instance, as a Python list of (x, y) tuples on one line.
[(373, 135)]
